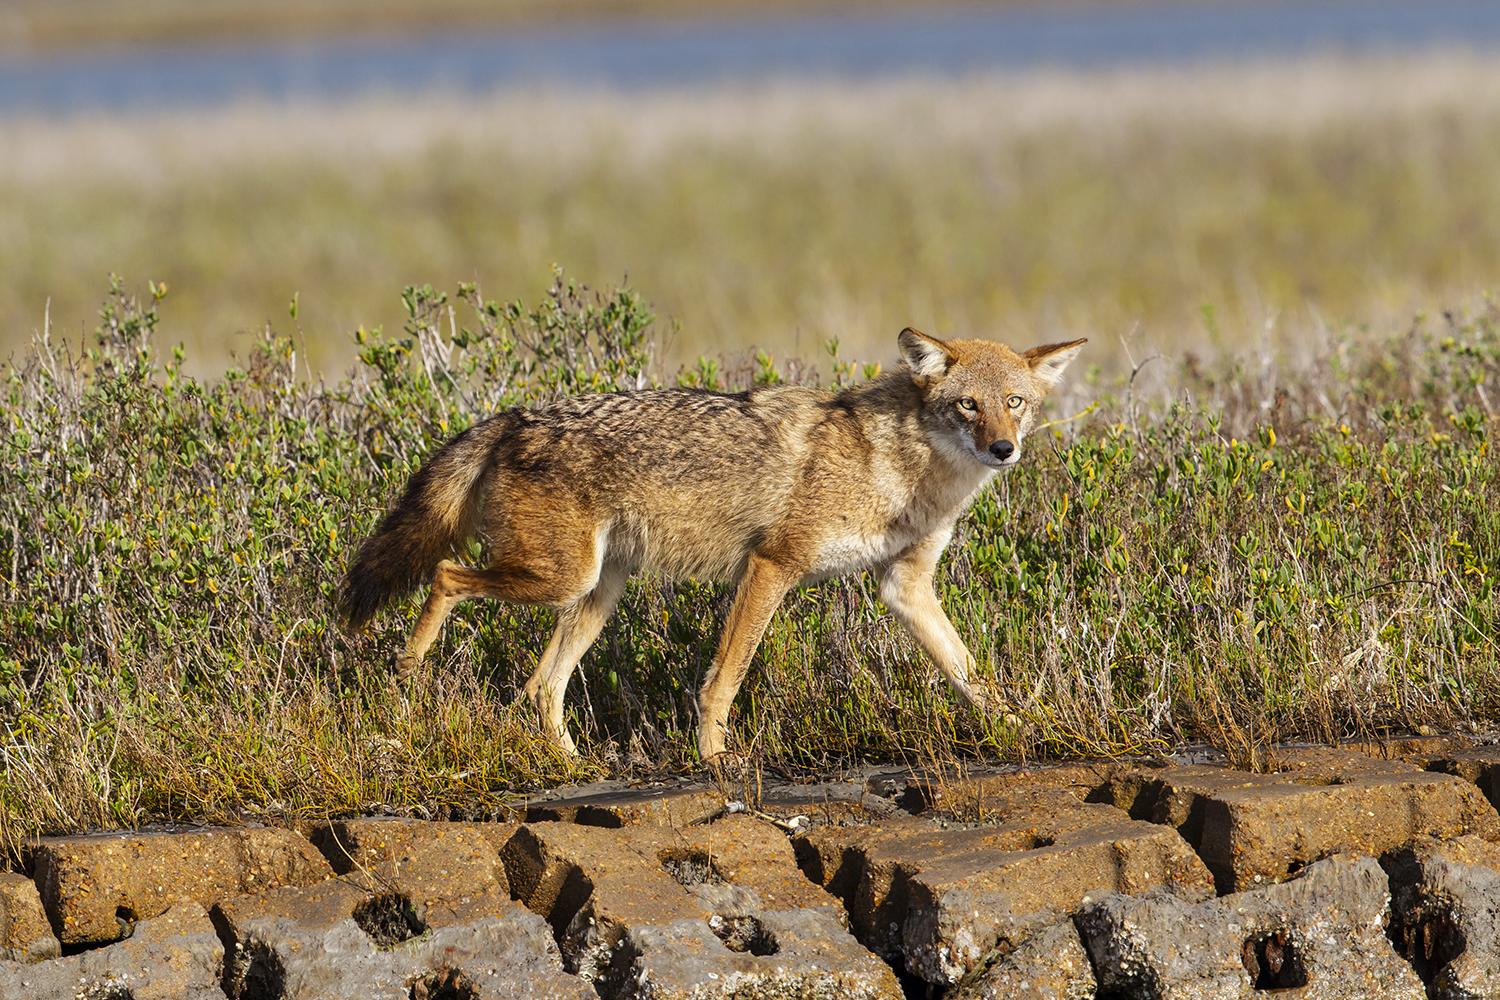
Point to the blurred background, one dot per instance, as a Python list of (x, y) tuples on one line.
[(1179, 176)]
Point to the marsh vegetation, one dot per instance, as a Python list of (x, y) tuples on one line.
[(1269, 507), (1235, 551)]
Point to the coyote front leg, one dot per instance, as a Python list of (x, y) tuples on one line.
[(759, 595), (906, 588)]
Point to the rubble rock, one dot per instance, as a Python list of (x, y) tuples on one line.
[(1446, 910), (1255, 829), (96, 886), (173, 956), (425, 860), (668, 805), (717, 910), (975, 794), (1481, 765), (25, 935), (1321, 935), (938, 900), (342, 941), (1051, 965), (824, 803)]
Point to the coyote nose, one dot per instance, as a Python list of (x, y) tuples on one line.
[(1002, 450)]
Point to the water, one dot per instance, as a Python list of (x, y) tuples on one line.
[(717, 51)]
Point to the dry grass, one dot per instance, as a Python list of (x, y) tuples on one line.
[(1190, 206)]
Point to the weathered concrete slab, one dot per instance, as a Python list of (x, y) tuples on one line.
[(1168, 793), (939, 900), (1254, 829), (1320, 936), (1331, 765), (96, 886), (978, 793), (704, 911), (342, 941), (744, 855), (1051, 965), (1413, 749), (173, 956), (667, 805), (1481, 765), (827, 802), (695, 803), (25, 935), (427, 861), (1262, 834), (1446, 914)]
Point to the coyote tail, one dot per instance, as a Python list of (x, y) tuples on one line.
[(435, 515)]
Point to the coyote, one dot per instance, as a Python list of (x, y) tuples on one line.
[(771, 488)]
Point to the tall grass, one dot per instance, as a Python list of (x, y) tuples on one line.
[(1198, 207), (1194, 551)]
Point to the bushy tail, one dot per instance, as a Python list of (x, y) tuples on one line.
[(436, 514)]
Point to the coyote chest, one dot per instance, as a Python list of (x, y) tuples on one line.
[(854, 542), (846, 553)]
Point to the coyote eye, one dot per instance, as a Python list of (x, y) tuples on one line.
[(1015, 402), (967, 403)]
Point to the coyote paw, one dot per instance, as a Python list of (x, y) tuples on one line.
[(998, 710), (727, 768), (554, 727), (565, 743), (710, 743), (405, 666), (989, 705)]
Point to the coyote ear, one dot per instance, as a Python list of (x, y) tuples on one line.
[(1048, 361), (924, 355)]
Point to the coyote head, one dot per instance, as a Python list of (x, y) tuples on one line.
[(981, 398)]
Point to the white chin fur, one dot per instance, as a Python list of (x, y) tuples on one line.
[(960, 451)]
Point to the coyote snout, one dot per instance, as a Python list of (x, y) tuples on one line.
[(768, 489)]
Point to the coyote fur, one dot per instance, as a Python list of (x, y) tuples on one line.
[(768, 489)]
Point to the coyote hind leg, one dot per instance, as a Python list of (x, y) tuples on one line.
[(453, 582), (578, 625)]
